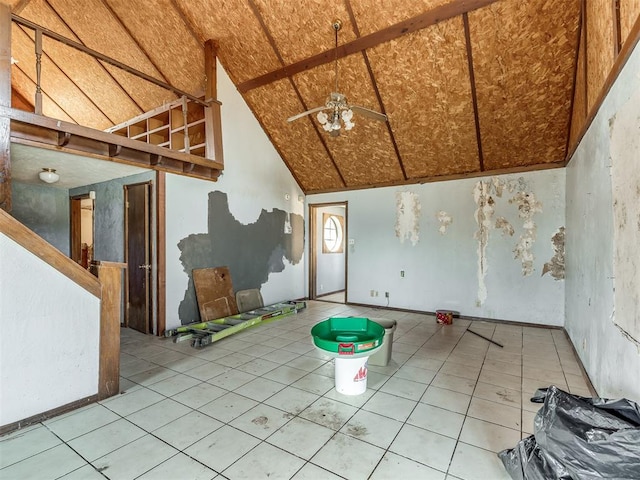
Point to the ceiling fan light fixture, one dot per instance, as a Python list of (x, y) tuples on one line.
[(49, 175)]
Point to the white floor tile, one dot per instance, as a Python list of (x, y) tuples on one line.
[(404, 388), (187, 430), (329, 413), (494, 393), (390, 406), (258, 366), (101, 441), (447, 399), (24, 443), (84, 421), (154, 375), (292, 400), (372, 428), (227, 407), (265, 462), (134, 459), (51, 463), (88, 472), (261, 421), (179, 466), (174, 385), (313, 472), (314, 383), (394, 466), (131, 402), (158, 414), (259, 389), (222, 448), (199, 395), (488, 435), (415, 374), (231, 379), (436, 420), (348, 457), (495, 413), (451, 382), (472, 463), (207, 371), (424, 447), (301, 437), (285, 374)]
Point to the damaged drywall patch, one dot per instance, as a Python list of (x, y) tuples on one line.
[(408, 217), (555, 266), (504, 225), (445, 220), (250, 251), (528, 206), (484, 218)]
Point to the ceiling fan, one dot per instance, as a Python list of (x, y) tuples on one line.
[(340, 112)]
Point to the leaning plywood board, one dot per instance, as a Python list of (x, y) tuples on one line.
[(214, 291)]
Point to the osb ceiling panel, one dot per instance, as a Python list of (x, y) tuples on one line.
[(315, 34), (297, 142), (88, 75), (523, 65), (27, 88), (244, 49), (427, 95), (524, 61), (165, 38), (629, 13), (374, 15), (600, 54), (57, 85), (97, 28), (365, 154)]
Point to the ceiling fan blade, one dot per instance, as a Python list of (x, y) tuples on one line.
[(308, 112), (365, 112)]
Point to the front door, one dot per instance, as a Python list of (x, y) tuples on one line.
[(138, 256)]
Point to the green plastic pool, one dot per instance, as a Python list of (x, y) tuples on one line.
[(350, 336)]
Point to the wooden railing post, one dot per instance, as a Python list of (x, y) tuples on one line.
[(5, 101), (110, 276)]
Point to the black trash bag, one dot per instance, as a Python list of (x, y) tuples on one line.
[(578, 438)]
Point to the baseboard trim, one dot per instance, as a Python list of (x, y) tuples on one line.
[(41, 417)]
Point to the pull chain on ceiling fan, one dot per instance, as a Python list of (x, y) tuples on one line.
[(340, 112)]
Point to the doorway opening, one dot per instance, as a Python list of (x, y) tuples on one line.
[(328, 252), (82, 229)]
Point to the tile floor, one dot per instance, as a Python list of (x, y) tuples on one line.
[(262, 404)]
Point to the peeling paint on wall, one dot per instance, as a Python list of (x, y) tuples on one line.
[(504, 225), (556, 264), (528, 206), (483, 216), (250, 251), (408, 217), (445, 220)]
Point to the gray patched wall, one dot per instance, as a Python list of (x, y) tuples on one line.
[(250, 251), (45, 210), (109, 215)]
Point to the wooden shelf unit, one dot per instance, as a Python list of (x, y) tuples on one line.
[(165, 126)]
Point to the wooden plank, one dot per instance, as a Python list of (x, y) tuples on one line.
[(5, 101), (600, 52), (161, 252), (30, 240), (579, 105), (19, 101), (472, 81), (431, 17), (110, 275), (214, 291)]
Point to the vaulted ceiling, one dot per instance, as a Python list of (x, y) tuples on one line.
[(469, 86)]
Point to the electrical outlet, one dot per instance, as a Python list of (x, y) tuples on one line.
[(376, 293), (373, 293), (386, 294), (402, 273)]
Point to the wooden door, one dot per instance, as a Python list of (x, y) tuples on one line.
[(138, 256), (82, 219)]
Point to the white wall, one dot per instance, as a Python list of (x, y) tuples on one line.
[(254, 178), (596, 289), (49, 346), (442, 269), (330, 267)]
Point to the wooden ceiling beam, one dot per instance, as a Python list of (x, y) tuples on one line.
[(22, 4), (474, 95), (575, 79), (424, 20)]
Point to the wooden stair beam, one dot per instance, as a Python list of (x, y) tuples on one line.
[(110, 275)]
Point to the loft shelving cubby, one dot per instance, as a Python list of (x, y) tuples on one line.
[(184, 125)]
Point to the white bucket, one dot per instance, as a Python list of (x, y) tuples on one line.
[(351, 375)]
